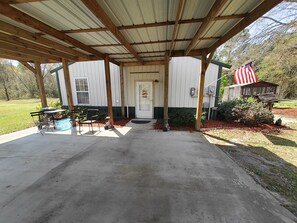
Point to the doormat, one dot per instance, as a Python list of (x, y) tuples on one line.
[(140, 121)]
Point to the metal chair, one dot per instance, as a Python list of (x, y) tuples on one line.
[(41, 121), (91, 116)]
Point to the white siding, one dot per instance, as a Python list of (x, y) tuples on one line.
[(138, 73), (184, 73), (94, 71)]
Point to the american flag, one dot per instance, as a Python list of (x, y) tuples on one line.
[(245, 74)]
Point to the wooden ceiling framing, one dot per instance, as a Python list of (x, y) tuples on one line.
[(49, 44)]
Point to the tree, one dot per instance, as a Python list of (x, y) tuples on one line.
[(280, 66), (270, 45), (5, 79)]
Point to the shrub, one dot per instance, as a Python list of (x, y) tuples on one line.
[(252, 113), (225, 108), (182, 117)]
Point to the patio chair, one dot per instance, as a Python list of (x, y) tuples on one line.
[(41, 121), (91, 116)]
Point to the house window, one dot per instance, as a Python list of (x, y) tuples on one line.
[(82, 91)]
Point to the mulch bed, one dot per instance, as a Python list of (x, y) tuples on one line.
[(285, 111), (213, 124)]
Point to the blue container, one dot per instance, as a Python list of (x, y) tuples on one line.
[(63, 124)]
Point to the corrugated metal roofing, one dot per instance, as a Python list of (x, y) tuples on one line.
[(74, 15)]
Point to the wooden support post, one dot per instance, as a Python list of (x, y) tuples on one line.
[(108, 89), (200, 90), (166, 79), (122, 90), (67, 84), (40, 84)]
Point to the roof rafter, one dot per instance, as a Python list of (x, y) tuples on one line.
[(28, 66), (40, 40), (250, 18), (155, 24), (96, 9), (23, 57), (30, 45), (11, 47), (217, 6), (19, 1), (19, 16), (153, 42), (176, 25)]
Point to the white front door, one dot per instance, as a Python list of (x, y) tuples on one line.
[(144, 99)]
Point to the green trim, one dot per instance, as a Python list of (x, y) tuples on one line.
[(216, 62), (59, 87), (60, 68), (218, 86)]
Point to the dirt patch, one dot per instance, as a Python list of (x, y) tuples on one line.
[(291, 112)]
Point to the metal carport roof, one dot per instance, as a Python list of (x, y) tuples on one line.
[(126, 31)]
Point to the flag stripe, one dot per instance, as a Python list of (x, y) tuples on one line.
[(245, 75)]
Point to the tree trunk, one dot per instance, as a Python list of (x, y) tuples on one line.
[(6, 92)]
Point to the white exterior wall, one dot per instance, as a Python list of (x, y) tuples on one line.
[(184, 73), (144, 73), (94, 71)]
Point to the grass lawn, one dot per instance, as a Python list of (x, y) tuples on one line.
[(269, 157), (15, 114), (286, 104)]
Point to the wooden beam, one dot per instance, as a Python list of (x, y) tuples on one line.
[(152, 42), (200, 91), (112, 54), (96, 9), (181, 53), (155, 24), (217, 6), (23, 57), (21, 17), (144, 57), (19, 49), (29, 67), (32, 46), (108, 90), (19, 1), (249, 19), (176, 25), (39, 79), (156, 62), (166, 81), (122, 90), (5, 27), (89, 30), (67, 84), (209, 58)]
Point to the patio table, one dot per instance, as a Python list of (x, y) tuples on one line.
[(52, 113)]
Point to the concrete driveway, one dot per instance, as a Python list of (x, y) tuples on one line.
[(142, 175)]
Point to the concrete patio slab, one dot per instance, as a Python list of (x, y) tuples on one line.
[(142, 175)]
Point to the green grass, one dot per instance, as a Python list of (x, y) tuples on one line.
[(270, 157), (286, 104), (15, 114)]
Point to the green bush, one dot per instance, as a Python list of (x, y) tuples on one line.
[(182, 118), (225, 108), (253, 113), (54, 103)]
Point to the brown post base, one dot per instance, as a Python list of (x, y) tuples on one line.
[(108, 125), (166, 126)]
